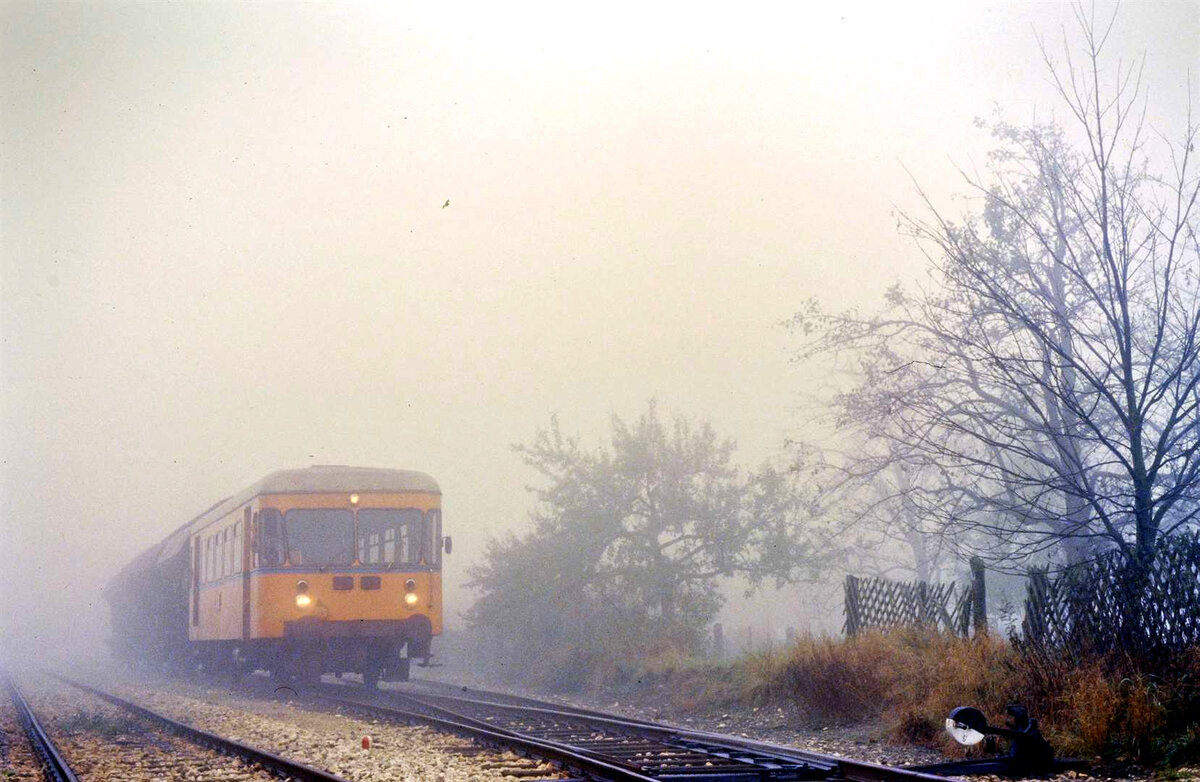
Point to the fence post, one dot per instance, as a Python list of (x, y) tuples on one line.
[(851, 607), (1037, 589), (979, 597)]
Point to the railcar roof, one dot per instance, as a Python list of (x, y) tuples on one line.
[(322, 478), (310, 480)]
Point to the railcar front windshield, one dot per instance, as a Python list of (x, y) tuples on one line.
[(389, 536), (320, 536)]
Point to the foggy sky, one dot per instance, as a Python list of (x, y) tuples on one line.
[(225, 250)]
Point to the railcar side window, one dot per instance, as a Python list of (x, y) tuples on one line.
[(236, 548), (319, 536), (389, 536), (433, 538), (270, 538)]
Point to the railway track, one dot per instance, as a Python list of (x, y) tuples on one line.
[(54, 766), (591, 744), (292, 723), (437, 688), (136, 742), (607, 746)]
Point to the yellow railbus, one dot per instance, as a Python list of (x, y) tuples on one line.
[(322, 570)]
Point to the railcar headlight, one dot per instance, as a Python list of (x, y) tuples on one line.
[(410, 593), (302, 598)]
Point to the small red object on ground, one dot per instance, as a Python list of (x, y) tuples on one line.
[(366, 742)]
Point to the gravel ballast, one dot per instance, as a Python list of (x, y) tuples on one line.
[(101, 741), (334, 741)]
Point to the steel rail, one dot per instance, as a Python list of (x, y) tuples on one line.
[(480, 730), (838, 768), (493, 696), (676, 756), (54, 765), (267, 760)]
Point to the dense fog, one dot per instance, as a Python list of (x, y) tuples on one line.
[(238, 238)]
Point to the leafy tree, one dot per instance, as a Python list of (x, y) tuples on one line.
[(628, 544), (1043, 390)]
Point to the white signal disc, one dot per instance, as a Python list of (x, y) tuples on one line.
[(962, 734)]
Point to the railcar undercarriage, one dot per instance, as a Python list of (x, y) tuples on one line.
[(379, 650)]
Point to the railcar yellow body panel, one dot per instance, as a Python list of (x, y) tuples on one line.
[(258, 601), (285, 502), (273, 599), (220, 611)]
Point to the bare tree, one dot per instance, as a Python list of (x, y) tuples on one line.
[(1045, 383), (862, 501)]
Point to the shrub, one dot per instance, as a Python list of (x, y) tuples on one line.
[(910, 678), (1123, 708), (1088, 711), (1127, 710)]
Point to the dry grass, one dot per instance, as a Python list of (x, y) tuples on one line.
[(1142, 711), (1087, 712), (1121, 709), (1118, 708), (911, 679), (838, 682)]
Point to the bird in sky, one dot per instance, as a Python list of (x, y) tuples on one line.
[(446, 204)]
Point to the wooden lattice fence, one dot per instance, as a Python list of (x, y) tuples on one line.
[(880, 603), (1110, 606)]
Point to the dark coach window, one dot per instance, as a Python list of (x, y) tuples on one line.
[(270, 538), (319, 536), (389, 536)]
